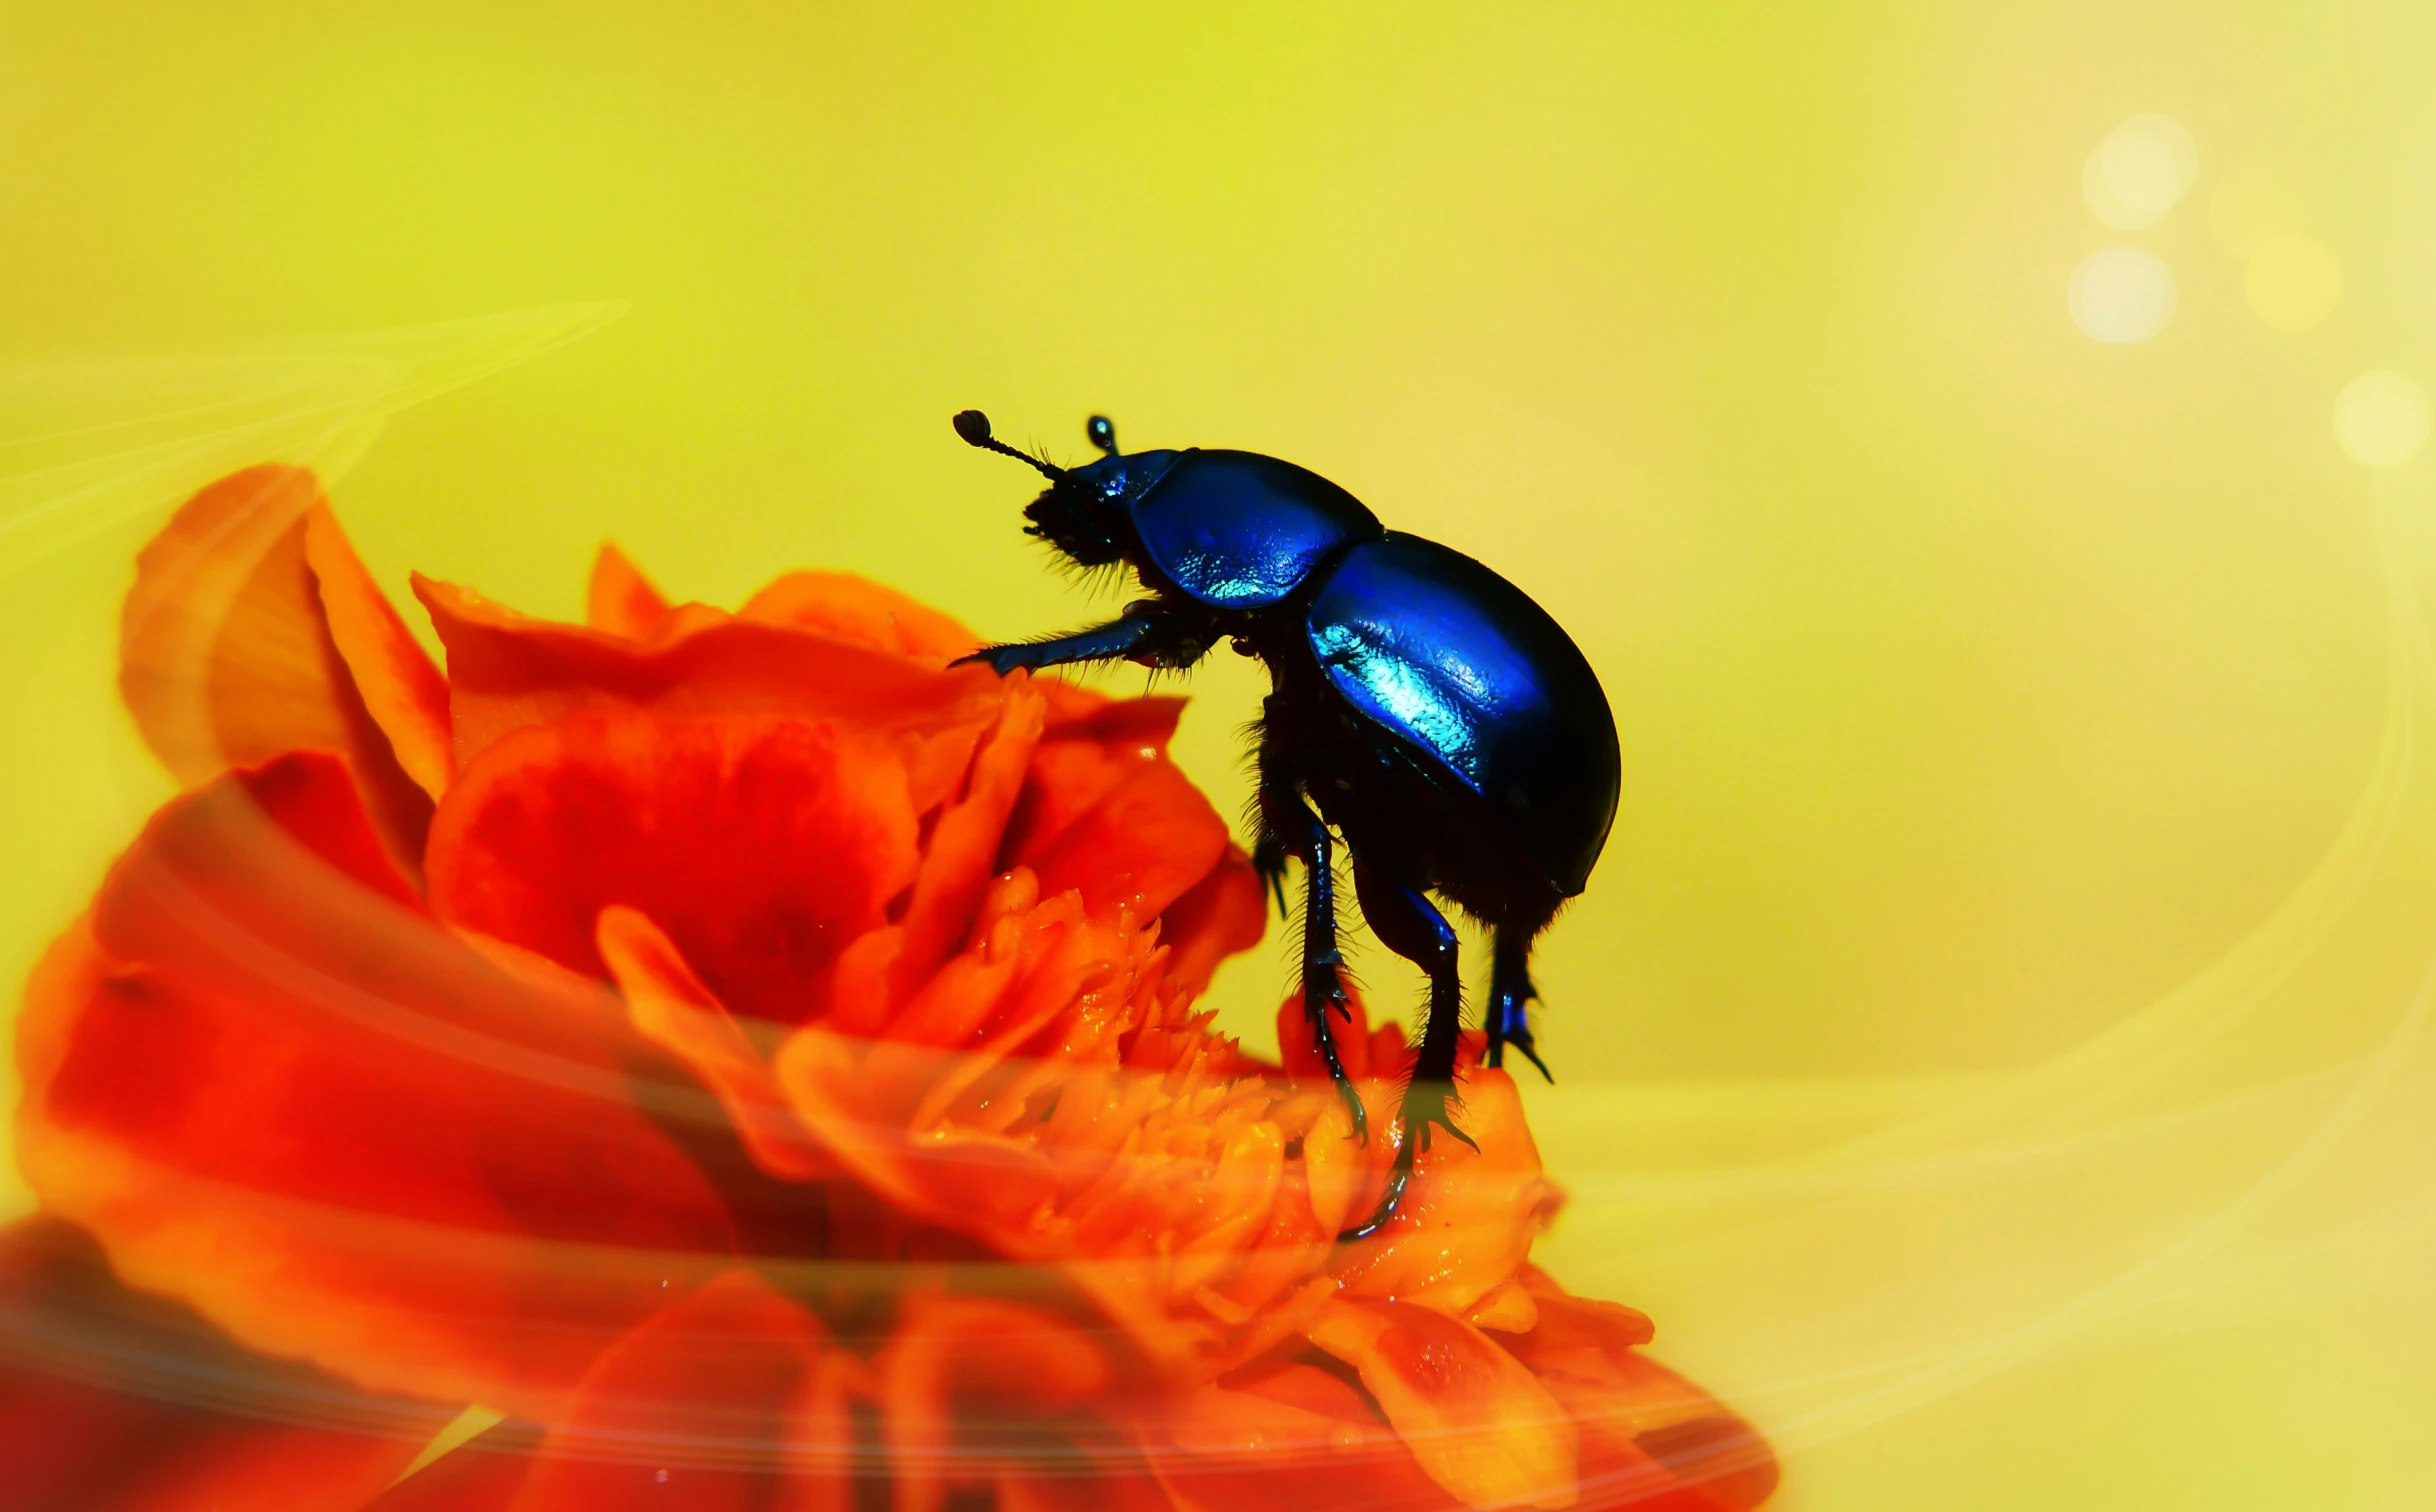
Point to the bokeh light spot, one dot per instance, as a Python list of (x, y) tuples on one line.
[(2140, 171), (2121, 295), (2381, 418), (2293, 283), (2253, 205)]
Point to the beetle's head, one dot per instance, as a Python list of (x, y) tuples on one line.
[(1085, 512)]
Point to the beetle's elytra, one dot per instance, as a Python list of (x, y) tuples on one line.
[(1433, 715)]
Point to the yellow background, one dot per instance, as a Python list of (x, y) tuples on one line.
[(1991, 1047)]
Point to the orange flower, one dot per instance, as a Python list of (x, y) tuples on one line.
[(750, 1054)]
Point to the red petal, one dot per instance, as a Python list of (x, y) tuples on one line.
[(620, 600), (1472, 1415), (1291, 1437), (692, 1409), (1081, 761), (671, 1006), (1637, 1417), (506, 672), (111, 1399), (965, 1385), (1140, 848), (957, 863), (230, 651), (763, 846), (275, 1088), (1469, 1217), (1223, 914), (840, 606)]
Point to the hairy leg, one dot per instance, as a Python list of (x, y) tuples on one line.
[(1406, 922), (1510, 994), (1148, 632), (1288, 821)]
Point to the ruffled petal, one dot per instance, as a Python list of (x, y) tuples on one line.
[(701, 1407), (842, 607), (114, 1400), (1044, 1094), (1479, 1422), (761, 845), (1645, 1429), (507, 672), (620, 600), (671, 1007), (253, 630), (1140, 848), (402, 691), (957, 861), (1470, 1215), (966, 1386), (1081, 760), (274, 1087), (1223, 914), (1288, 1436)]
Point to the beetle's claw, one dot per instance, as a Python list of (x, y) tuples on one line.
[(1269, 865), (1522, 1042), (1399, 1175), (1428, 1106), (999, 659), (1324, 995), (1354, 1110)]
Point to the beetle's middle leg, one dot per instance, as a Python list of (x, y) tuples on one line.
[(1406, 922), (1289, 826)]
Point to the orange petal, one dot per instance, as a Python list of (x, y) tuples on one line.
[(230, 652), (275, 1088), (965, 1385), (1140, 848), (1637, 1417), (971, 1183), (402, 691), (840, 606), (761, 845), (1291, 1437), (1080, 762), (957, 863), (109, 1398), (1223, 914), (1477, 1421), (672, 1008), (1469, 1217), (620, 600), (506, 671), (693, 1409)]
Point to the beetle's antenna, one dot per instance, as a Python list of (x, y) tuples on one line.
[(1102, 431), (974, 427)]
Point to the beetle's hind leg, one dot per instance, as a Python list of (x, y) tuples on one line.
[(1510, 997), (1288, 823), (1407, 923)]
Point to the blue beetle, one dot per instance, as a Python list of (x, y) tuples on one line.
[(1436, 717)]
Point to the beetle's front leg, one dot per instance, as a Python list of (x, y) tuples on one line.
[(1147, 632)]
